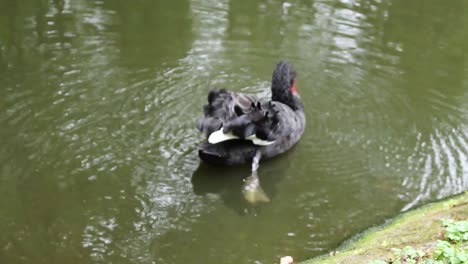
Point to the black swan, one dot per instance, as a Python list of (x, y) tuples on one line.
[(240, 127)]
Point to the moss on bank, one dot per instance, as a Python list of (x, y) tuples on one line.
[(419, 228)]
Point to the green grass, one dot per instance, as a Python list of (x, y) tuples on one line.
[(452, 249)]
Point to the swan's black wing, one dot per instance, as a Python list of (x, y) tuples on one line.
[(279, 121), (284, 128), (225, 107)]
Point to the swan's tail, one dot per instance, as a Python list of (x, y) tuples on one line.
[(214, 112)]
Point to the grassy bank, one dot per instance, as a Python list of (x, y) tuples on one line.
[(416, 232)]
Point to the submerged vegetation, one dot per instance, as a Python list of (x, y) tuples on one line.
[(434, 234)]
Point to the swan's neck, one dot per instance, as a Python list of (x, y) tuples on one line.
[(291, 99)]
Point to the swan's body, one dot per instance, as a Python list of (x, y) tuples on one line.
[(238, 125)]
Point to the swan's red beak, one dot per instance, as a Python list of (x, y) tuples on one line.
[(293, 87)]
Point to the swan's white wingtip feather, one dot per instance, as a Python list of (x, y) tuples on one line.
[(220, 136), (259, 142)]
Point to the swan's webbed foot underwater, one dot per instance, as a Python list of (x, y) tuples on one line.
[(251, 189)]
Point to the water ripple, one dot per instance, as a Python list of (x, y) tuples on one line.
[(100, 146)]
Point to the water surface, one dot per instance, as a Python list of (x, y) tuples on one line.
[(99, 100)]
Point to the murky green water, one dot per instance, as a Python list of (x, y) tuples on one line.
[(99, 102)]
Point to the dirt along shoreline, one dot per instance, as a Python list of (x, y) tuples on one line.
[(418, 229)]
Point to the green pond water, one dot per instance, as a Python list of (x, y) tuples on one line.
[(99, 99)]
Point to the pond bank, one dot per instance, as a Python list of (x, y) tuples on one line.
[(418, 228)]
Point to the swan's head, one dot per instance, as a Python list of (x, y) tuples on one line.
[(283, 83)]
